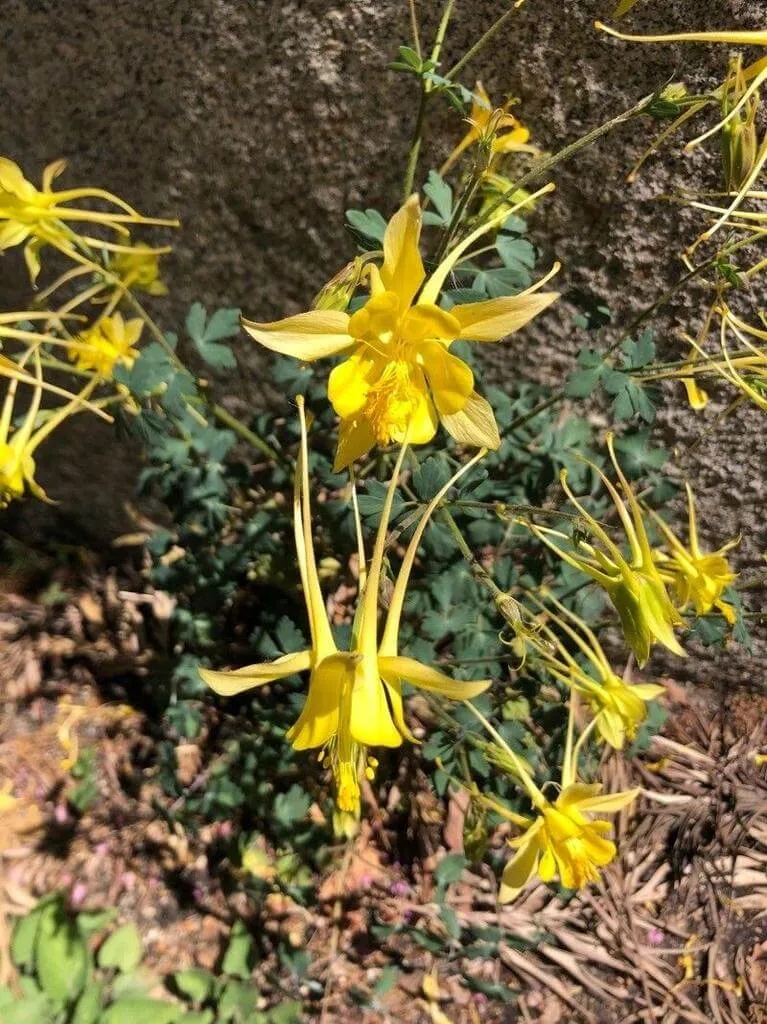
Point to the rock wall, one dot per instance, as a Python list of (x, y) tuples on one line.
[(258, 123)]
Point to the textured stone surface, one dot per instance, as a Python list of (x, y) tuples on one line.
[(258, 123)]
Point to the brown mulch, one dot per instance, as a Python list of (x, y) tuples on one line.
[(675, 932)]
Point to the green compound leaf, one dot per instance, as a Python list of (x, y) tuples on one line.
[(122, 950), (61, 956), (441, 195), (367, 225), (206, 335), (238, 958)]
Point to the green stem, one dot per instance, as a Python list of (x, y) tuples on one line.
[(544, 166), (221, 414), (414, 29), (415, 145), (224, 416), (668, 295), (417, 139), (439, 39), (479, 45)]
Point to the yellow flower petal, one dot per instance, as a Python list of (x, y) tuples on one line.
[(431, 679), (229, 684), (423, 422), (426, 322), (355, 438), (318, 720), (608, 802), (451, 380), (474, 424), (12, 178), (12, 233), (402, 271), (520, 868), (696, 396), (307, 336), (371, 722), (349, 384), (497, 318)]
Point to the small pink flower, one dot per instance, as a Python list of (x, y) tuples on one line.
[(78, 894), (656, 937)]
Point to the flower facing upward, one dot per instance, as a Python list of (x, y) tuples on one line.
[(41, 217), (355, 697), (633, 584), (400, 377), (110, 342), (619, 707), (699, 578)]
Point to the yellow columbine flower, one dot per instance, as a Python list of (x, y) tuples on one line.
[(41, 217), (355, 697), (633, 584), (138, 266), (17, 446), (509, 134), (563, 841), (400, 378), (110, 342), (699, 578), (126, 267), (752, 383), (619, 707)]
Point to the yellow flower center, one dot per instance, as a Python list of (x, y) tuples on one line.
[(391, 402)]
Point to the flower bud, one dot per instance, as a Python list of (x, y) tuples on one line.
[(739, 147), (475, 835), (337, 293), (668, 103)]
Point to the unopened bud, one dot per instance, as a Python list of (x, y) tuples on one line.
[(739, 148), (509, 609), (337, 293), (669, 102), (475, 834)]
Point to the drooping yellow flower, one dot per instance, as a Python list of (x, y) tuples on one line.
[(138, 266), (400, 377), (749, 374), (699, 578), (619, 707), (17, 445), (634, 584), (355, 697), (110, 342), (508, 134), (38, 217), (563, 841), (124, 268)]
